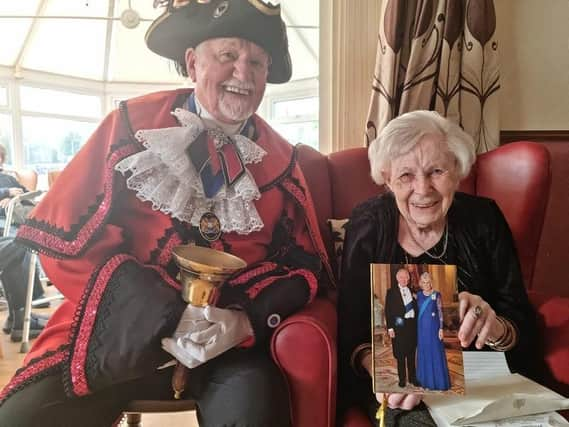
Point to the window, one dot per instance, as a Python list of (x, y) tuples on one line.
[(50, 143), (6, 138), (297, 119), (3, 96), (55, 124), (293, 108), (59, 102)]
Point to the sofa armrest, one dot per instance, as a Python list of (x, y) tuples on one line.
[(553, 315), (304, 348), (355, 417)]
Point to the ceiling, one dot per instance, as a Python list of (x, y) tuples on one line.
[(86, 39)]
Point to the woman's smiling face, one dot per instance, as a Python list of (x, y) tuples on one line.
[(425, 282), (424, 181)]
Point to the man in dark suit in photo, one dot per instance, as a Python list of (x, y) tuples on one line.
[(401, 314)]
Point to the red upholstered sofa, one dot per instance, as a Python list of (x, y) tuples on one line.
[(516, 175)]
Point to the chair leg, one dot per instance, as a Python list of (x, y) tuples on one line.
[(134, 420), (28, 307)]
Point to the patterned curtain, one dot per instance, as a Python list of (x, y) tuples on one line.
[(438, 55)]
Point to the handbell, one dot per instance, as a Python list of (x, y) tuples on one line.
[(202, 271)]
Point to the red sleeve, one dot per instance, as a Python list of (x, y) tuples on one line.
[(287, 280), (84, 255), (71, 276)]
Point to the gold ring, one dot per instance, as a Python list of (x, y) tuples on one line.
[(477, 312)]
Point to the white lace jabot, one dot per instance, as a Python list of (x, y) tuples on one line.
[(164, 175)]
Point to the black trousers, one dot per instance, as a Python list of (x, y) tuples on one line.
[(402, 370), (14, 268), (238, 388)]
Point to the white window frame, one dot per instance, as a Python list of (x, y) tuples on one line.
[(122, 91), (19, 113), (39, 80), (5, 109), (90, 119), (107, 92), (12, 79), (300, 89)]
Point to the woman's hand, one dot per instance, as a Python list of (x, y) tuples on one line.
[(400, 400), (441, 334), (394, 400), (478, 320)]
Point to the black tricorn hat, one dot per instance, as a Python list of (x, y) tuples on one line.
[(187, 23)]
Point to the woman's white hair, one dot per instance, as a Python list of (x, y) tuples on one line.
[(404, 132)]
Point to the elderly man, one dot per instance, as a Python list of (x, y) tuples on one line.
[(14, 263), (150, 175), (9, 186)]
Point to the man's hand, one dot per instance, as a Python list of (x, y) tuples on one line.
[(224, 330), (12, 192), (171, 346), (192, 320), (15, 191)]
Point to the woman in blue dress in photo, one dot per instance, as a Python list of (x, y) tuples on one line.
[(432, 369)]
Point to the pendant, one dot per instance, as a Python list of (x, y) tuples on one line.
[(210, 227)]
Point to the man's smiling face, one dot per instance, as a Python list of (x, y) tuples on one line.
[(230, 76)]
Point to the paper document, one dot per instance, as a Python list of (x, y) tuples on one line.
[(484, 364), (551, 419), (493, 394)]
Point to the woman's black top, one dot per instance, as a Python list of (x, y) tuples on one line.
[(480, 244)]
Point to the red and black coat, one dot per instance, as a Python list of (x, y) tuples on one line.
[(110, 256)]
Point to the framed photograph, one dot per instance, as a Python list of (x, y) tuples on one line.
[(415, 323)]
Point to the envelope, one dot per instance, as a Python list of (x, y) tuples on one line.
[(489, 399)]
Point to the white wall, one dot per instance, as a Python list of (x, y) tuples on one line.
[(533, 39)]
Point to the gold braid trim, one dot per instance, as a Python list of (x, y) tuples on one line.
[(266, 9)]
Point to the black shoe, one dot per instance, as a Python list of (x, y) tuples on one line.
[(38, 297), (7, 328), (37, 323), (46, 304), (9, 322), (401, 384)]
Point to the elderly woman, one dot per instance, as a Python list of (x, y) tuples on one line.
[(421, 157)]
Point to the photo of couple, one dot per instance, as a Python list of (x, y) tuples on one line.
[(415, 321)]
